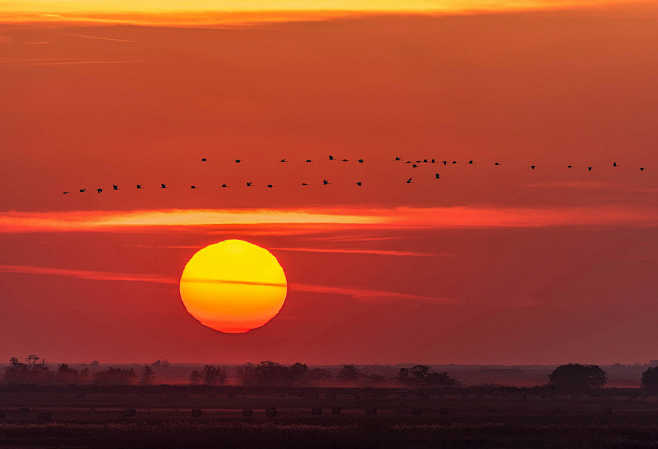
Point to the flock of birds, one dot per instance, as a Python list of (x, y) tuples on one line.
[(408, 180)]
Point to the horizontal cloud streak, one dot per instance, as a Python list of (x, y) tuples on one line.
[(463, 217), (356, 293), (377, 252)]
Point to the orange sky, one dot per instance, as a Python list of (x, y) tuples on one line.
[(486, 265)]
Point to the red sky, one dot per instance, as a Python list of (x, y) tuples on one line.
[(487, 265)]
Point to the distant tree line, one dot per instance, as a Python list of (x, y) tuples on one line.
[(33, 370)]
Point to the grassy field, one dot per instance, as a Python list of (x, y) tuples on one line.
[(204, 417)]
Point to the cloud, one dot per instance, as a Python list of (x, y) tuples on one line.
[(102, 38), (462, 217), (378, 252), (61, 62), (87, 274), (354, 292)]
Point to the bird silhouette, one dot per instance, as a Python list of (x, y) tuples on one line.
[(470, 162), (397, 158), (65, 193), (224, 186), (139, 186), (163, 186), (360, 161), (445, 162), (115, 187), (454, 162), (304, 183), (99, 190), (437, 176), (203, 159), (532, 167), (346, 160), (192, 187), (614, 164), (496, 164), (325, 182), (418, 161), (237, 161), (414, 166), (569, 166), (269, 186), (249, 183), (433, 161), (284, 160), (83, 190), (425, 161), (589, 168), (308, 161), (410, 180), (641, 168), (359, 183), (331, 158)]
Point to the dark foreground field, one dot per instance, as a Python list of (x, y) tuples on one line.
[(204, 417)]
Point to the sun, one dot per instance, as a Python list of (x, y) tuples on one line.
[(233, 286)]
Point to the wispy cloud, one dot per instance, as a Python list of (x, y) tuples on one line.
[(361, 218), (377, 252), (63, 62), (354, 292), (87, 274), (102, 38)]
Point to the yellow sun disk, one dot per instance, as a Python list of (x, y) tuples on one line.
[(233, 286)]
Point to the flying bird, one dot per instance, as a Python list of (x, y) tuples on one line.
[(346, 160), (532, 167), (249, 183), (65, 193), (589, 168), (192, 187), (454, 162), (410, 180), (445, 162), (325, 182), (224, 186), (163, 186), (331, 158), (83, 190), (308, 161), (425, 161), (203, 159), (359, 183), (437, 176), (115, 187), (99, 190), (496, 164), (269, 186), (397, 158), (470, 162), (433, 161), (304, 183), (614, 164), (360, 161), (284, 160), (414, 166), (641, 168), (569, 166), (139, 186)]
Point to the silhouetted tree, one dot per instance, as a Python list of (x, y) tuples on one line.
[(195, 377), (422, 375), (650, 379), (348, 373), (213, 375), (575, 377), (30, 372), (66, 375), (147, 375), (115, 376)]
